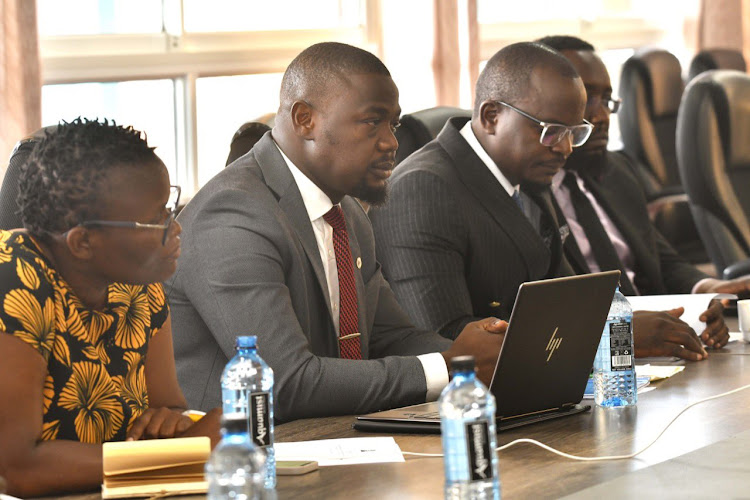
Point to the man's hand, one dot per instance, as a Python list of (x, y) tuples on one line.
[(662, 333), (716, 334), (157, 423), (738, 286), (481, 339)]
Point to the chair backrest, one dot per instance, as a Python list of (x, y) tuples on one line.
[(9, 216), (651, 87), (709, 59), (714, 159), (245, 138), (420, 127)]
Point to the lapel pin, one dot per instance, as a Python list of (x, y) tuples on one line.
[(359, 262)]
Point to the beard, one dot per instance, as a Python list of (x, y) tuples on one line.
[(587, 163), (374, 196)]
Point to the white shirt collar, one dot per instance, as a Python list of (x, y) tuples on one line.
[(316, 201), (468, 134)]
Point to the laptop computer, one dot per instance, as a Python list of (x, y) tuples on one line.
[(545, 360)]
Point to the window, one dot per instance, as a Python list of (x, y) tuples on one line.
[(146, 105), (187, 72)]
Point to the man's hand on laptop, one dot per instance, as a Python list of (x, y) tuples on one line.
[(481, 339), (663, 333), (716, 334)]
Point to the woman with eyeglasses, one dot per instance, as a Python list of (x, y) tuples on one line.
[(85, 334)]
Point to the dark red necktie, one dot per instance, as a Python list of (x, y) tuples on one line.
[(348, 315)]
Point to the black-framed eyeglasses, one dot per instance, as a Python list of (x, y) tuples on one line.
[(553, 133), (171, 206), (611, 103)]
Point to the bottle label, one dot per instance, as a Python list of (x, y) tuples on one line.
[(621, 346), (259, 415), (478, 444)]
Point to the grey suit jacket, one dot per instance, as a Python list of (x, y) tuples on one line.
[(250, 265), (658, 267), (454, 246)]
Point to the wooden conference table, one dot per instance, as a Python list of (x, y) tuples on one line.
[(527, 471)]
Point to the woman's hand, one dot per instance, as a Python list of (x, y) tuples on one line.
[(157, 423)]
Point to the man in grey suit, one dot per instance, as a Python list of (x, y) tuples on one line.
[(457, 236), (274, 246), (453, 243)]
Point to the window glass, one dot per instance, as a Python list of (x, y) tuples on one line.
[(146, 105), (255, 15), (224, 103), (94, 17)]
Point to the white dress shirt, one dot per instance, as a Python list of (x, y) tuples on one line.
[(318, 204), (468, 134)]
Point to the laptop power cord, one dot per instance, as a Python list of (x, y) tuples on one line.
[(597, 459)]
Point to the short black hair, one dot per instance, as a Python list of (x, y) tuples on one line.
[(565, 42), (61, 184), (315, 71), (507, 74)]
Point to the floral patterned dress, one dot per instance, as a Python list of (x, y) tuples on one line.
[(95, 385)]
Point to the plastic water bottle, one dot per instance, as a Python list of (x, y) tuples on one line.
[(614, 368), (236, 468), (247, 390), (467, 424)]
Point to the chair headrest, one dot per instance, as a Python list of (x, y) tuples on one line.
[(709, 59), (728, 93), (662, 77)]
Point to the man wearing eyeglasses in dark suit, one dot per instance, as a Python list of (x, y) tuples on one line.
[(469, 216), (599, 194)]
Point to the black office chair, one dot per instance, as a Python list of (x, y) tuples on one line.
[(9, 216), (420, 127), (709, 59), (245, 138), (651, 87), (713, 148)]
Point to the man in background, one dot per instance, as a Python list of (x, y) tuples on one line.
[(605, 207)]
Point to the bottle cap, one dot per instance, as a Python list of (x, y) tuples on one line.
[(234, 423), (462, 364), (246, 342)]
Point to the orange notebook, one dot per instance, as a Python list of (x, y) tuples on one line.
[(155, 467)]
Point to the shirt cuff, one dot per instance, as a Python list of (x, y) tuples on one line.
[(435, 374), (695, 287)]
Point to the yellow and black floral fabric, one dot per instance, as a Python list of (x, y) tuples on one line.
[(95, 385)]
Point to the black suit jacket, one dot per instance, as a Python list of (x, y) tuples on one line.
[(658, 267), (454, 246)]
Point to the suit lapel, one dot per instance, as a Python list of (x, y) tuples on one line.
[(279, 179), (490, 194)]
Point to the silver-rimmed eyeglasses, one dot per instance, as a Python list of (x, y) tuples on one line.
[(171, 207), (553, 133)]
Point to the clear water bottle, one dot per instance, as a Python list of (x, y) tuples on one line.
[(467, 424), (614, 367), (247, 390), (236, 468)]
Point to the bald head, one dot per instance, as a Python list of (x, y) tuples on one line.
[(507, 75), (316, 73)]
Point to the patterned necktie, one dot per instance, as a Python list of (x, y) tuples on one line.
[(517, 198), (601, 246), (348, 316)]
